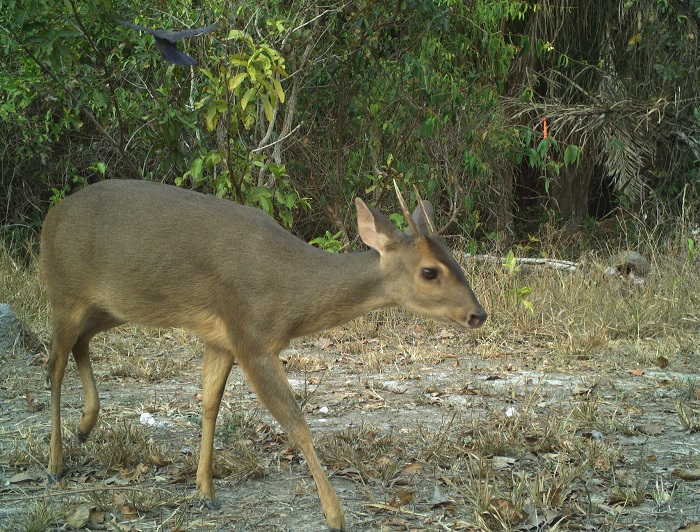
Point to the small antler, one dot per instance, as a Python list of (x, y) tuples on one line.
[(428, 220), (406, 214)]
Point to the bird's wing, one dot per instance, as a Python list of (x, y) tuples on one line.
[(174, 36), (135, 26), (170, 52)]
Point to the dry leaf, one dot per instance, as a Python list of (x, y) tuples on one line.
[(685, 474), (79, 517), (31, 402), (323, 343), (129, 512), (413, 469), (637, 372), (444, 333), (349, 472), (506, 511), (651, 429), (662, 362), (691, 527), (439, 499), (503, 462), (402, 498), (697, 393), (97, 518), (26, 476)]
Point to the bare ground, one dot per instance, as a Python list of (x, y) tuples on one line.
[(420, 429)]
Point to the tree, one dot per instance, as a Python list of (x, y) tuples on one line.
[(618, 81)]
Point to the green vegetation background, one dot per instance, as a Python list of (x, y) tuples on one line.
[(511, 116)]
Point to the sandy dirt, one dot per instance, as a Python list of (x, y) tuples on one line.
[(403, 394)]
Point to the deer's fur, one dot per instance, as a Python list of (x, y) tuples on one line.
[(135, 251)]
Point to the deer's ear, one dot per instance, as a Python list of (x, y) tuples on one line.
[(424, 225), (376, 230)]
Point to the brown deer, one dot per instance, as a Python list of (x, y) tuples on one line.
[(136, 251)]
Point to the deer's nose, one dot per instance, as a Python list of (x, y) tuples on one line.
[(477, 319)]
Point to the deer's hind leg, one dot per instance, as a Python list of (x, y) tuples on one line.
[(98, 321), (65, 329), (72, 330)]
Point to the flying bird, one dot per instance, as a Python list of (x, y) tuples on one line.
[(166, 41)]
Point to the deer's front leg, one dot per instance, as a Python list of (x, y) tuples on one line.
[(266, 375), (216, 367)]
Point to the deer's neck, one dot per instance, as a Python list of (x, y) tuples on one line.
[(340, 287)]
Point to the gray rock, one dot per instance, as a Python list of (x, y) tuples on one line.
[(10, 328)]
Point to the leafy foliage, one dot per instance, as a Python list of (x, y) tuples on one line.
[(292, 101)]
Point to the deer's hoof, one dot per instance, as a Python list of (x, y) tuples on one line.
[(54, 477), (82, 436), (211, 504)]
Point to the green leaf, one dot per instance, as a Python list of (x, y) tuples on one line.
[(195, 172), (253, 73), (238, 35), (207, 73), (547, 181), (236, 80), (266, 205), (247, 97), (533, 158), (267, 107), (510, 262), (257, 194), (21, 17), (212, 116), (280, 69), (278, 89)]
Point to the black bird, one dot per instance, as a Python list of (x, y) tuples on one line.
[(166, 41)]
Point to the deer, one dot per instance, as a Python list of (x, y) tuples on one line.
[(142, 252)]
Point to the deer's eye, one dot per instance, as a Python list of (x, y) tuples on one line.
[(429, 273)]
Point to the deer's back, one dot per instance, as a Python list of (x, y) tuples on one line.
[(157, 254)]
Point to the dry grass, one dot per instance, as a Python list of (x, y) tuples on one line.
[(527, 422), (22, 289)]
